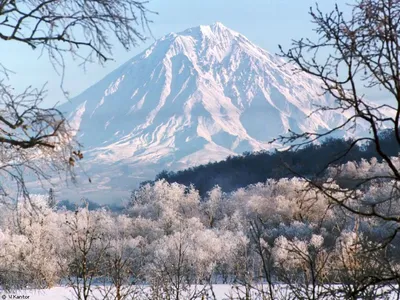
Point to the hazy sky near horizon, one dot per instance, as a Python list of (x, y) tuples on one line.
[(267, 23)]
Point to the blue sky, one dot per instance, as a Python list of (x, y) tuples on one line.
[(267, 23)]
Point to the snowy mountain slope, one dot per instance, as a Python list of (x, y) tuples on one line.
[(192, 97)]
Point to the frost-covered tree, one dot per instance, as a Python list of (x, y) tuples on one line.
[(39, 141), (122, 262), (188, 257), (183, 246), (30, 245), (166, 203), (85, 249), (359, 270), (303, 265), (214, 206), (355, 54)]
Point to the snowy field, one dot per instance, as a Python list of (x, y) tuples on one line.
[(221, 291)]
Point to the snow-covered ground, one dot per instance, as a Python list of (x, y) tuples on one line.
[(222, 291)]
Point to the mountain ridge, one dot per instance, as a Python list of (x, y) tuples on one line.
[(192, 97)]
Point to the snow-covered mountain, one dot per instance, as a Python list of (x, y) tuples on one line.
[(192, 97)]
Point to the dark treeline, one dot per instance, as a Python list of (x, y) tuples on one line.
[(249, 168)]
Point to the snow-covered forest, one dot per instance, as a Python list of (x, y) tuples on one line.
[(249, 168), (317, 219), (170, 239)]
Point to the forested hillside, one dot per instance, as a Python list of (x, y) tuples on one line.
[(249, 168)]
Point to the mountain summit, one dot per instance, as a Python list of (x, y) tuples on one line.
[(190, 98)]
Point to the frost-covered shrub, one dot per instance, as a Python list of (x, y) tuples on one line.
[(31, 243)]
